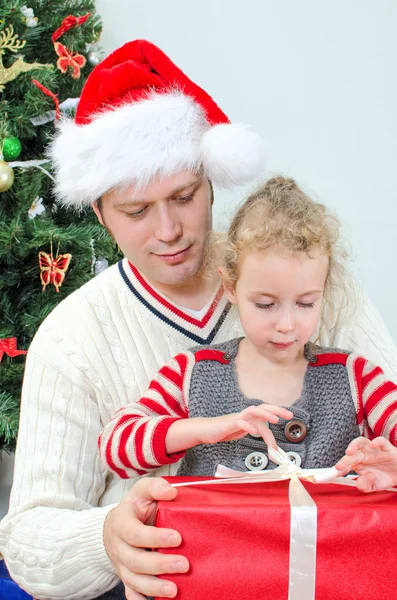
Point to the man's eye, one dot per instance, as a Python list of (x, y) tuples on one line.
[(137, 213), (183, 199)]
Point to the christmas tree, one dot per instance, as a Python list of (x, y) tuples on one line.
[(47, 50)]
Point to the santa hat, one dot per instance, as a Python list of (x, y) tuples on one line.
[(140, 116)]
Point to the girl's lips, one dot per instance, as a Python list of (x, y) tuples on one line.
[(175, 258), (280, 346)]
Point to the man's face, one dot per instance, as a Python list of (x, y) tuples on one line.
[(164, 228)]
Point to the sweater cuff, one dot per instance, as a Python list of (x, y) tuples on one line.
[(90, 540), (158, 443)]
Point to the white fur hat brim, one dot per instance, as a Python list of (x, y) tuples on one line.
[(160, 135)]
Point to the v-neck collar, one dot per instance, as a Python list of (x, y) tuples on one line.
[(201, 331)]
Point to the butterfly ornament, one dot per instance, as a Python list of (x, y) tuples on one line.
[(53, 270)]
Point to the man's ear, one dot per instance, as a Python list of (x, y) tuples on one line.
[(98, 213), (228, 285)]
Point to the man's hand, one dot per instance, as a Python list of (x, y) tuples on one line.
[(129, 530), (374, 461)]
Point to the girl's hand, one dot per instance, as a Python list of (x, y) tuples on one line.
[(236, 425), (374, 461)]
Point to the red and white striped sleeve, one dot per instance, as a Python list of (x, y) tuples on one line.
[(133, 442), (375, 397)]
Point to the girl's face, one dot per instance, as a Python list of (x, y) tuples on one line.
[(279, 298)]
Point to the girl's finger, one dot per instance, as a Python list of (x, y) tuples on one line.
[(381, 443), (366, 483), (267, 435), (356, 444), (244, 425), (280, 411)]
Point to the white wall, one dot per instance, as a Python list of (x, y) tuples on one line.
[(318, 80)]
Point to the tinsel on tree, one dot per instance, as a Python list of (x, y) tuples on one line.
[(50, 42)]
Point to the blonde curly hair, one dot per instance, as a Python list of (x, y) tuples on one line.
[(281, 215)]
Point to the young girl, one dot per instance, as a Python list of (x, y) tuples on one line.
[(225, 404)]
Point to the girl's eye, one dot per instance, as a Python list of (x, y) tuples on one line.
[(306, 304), (264, 306)]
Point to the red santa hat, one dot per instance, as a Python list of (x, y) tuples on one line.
[(140, 116)]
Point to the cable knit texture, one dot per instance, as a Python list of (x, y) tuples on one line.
[(94, 354)]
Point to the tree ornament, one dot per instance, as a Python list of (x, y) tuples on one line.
[(9, 346), (6, 176), (101, 264), (50, 94), (31, 20), (68, 59), (53, 270), (11, 148), (36, 208), (93, 58), (9, 41)]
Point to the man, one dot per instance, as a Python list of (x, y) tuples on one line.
[(143, 150)]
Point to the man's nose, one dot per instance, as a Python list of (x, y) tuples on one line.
[(168, 225)]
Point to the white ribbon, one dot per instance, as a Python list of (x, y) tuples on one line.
[(49, 115), (30, 164), (303, 539)]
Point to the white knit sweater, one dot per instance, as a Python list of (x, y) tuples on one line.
[(95, 353)]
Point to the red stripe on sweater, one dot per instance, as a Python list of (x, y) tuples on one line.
[(212, 355), (139, 436), (179, 313), (171, 402), (393, 435), (171, 375), (109, 459), (358, 368), (108, 455), (381, 422), (159, 409), (122, 449), (379, 394), (329, 358), (158, 443), (370, 376), (182, 361)]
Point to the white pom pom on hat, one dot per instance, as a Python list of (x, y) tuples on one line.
[(140, 116)]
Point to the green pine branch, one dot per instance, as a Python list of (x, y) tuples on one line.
[(23, 304), (9, 414)]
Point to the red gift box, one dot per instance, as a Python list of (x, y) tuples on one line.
[(237, 540)]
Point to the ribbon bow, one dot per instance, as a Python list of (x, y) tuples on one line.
[(9, 346), (68, 59)]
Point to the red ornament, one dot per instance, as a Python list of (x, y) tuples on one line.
[(68, 23), (9, 346), (48, 92), (53, 270), (69, 59)]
